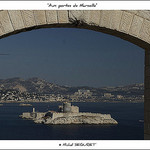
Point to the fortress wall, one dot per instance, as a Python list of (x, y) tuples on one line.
[(74, 109), (56, 115), (26, 115), (40, 114), (106, 116), (29, 115)]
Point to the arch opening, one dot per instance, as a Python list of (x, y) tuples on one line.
[(89, 39), (131, 25)]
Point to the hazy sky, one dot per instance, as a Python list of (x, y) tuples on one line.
[(72, 57)]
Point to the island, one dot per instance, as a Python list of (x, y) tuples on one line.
[(68, 114), (23, 104)]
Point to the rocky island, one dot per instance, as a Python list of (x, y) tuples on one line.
[(68, 114)]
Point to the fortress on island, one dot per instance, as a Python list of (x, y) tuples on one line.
[(68, 114)]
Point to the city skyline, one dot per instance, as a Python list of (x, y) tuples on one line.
[(73, 57)]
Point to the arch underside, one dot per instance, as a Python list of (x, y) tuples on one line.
[(116, 33)]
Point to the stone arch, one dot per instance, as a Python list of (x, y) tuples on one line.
[(133, 26)]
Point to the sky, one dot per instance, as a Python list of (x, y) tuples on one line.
[(72, 57)]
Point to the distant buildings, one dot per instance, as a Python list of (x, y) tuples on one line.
[(83, 93), (120, 97), (108, 95)]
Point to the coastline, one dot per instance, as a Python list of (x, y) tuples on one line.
[(3, 102)]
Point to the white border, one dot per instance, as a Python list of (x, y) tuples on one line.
[(54, 144), (97, 5)]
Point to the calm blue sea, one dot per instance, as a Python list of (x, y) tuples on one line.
[(127, 114)]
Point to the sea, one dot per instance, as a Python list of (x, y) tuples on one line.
[(130, 117)]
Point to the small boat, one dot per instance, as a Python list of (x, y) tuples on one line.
[(141, 120), (25, 104)]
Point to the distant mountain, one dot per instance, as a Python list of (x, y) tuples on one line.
[(37, 85), (133, 89), (32, 85)]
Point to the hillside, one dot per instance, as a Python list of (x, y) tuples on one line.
[(31, 85), (36, 85)]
